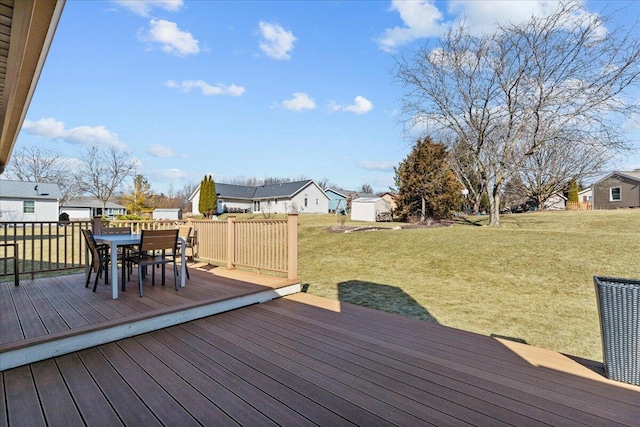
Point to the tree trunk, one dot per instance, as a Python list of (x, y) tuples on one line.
[(494, 206)]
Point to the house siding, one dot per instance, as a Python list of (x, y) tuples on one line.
[(629, 193), (12, 210)]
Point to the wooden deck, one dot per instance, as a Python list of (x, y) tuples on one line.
[(304, 360), (56, 315)]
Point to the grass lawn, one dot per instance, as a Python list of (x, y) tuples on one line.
[(531, 279)]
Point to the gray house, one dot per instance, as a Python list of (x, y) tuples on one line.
[(299, 196), (617, 190), (29, 201)]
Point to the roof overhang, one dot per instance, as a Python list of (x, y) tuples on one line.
[(26, 31)]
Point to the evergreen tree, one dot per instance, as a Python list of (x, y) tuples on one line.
[(573, 191), (426, 183), (208, 199)]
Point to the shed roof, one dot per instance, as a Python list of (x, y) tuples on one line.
[(29, 190)]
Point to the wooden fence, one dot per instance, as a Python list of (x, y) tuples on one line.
[(269, 244), (578, 206)]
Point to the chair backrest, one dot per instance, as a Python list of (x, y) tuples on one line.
[(116, 230), (157, 240), (184, 231), (93, 247)]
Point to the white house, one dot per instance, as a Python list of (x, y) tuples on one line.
[(84, 209), (29, 201), (586, 196), (287, 197), (369, 208)]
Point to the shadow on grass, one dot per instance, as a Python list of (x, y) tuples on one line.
[(382, 297), (475, 221)]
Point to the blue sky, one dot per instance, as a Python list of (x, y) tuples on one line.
[(247, 88)]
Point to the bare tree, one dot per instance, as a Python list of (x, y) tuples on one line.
[(103, 170), (34, 164), (507, 95)]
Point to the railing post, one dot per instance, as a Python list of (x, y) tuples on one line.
[(96, 225), (292, 246), (231, 242)]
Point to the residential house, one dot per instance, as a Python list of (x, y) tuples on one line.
[(617, 190), (83, 209), (337, 200), (586, 196), (299, 196), (29, 201)]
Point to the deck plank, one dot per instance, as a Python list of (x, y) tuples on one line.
[(23, 405), (130, 408), (191, 400), (92, 404), (256, 387), (164, 406), (481, 406), (208, 386), (371, 410), (547, 388), (57, 404), (30, 321), (10, 329)]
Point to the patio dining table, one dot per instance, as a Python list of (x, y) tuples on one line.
[(116, 240)]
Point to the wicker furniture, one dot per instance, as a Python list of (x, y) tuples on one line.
[(619, 309)]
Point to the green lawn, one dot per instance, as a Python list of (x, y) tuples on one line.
[(531, 279)]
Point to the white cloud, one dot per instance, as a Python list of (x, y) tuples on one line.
[(206, 88), (376, 166), (300, 101), (51, 128), (421, 19), (171, 38), (276, 42), (156, 150), (144, 7), (361, 105), (171, 174)]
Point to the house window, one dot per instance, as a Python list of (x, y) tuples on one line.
[(29, 206), (275, 202), (317, 202), (615, 194), (306, 202), (256, 206)]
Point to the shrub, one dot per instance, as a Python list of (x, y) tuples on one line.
[(63, 217)]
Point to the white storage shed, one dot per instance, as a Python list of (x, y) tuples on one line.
[(159, 214), (370, 209)]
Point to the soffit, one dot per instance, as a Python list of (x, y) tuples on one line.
[(26, 31)]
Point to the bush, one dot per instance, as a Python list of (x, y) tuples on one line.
[(64, 217)]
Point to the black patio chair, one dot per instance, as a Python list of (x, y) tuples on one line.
[(157, 247)]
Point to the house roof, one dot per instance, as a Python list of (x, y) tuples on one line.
[(633, 175), (27, 29), (30, 190), (338, 192), (90, 203), (273, 191)]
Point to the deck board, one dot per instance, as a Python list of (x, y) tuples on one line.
[(304, 360)]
